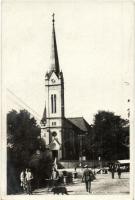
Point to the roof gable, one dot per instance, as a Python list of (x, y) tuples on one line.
[(53, 76), (81, 123)]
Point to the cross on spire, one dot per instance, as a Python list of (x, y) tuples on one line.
[(53, 20)]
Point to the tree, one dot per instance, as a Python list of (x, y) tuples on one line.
[(110, 133), (41, 164), (22, 142), (22, 132)]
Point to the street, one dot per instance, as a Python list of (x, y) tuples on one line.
[(103, 184)]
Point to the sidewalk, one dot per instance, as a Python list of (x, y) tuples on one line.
[(103, 184)]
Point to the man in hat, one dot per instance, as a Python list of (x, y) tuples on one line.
[(87, 178)]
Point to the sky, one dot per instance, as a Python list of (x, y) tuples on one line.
[(95, 48)]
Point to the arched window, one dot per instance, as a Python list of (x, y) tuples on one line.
[(53, 103)]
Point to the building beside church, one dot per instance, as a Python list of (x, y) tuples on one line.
[(66, 137)]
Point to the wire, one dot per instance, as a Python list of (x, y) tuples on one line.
[(23, 102), (28, 107), (22, 107)]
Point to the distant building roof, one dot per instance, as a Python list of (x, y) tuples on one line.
[(81, 123), (123, 161)]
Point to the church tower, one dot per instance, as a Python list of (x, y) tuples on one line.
[(53, 116)]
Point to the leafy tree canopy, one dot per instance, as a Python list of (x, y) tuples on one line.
[(22, 133), (22, 142), (110, 133)]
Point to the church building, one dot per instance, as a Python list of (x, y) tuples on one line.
[(66, 137)]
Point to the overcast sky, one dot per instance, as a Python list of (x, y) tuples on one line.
[(95, 47)]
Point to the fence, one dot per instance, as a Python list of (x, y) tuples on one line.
[(76, 163)]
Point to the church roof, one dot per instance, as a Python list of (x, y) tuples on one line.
[(81, 123)]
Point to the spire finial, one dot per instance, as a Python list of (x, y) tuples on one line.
[(53, 20)]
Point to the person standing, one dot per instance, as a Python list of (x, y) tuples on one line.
[(113, 170), (54, 176), (119, 172), (23, 180), (29, 177), (75, 173), (87, 177)]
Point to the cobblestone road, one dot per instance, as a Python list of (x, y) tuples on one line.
[(103, 184)]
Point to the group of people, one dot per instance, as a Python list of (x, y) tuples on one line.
[(26, 178), (118, 170), (88, 176)]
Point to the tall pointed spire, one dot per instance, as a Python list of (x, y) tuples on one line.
[(43, 120), (54, 53)]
